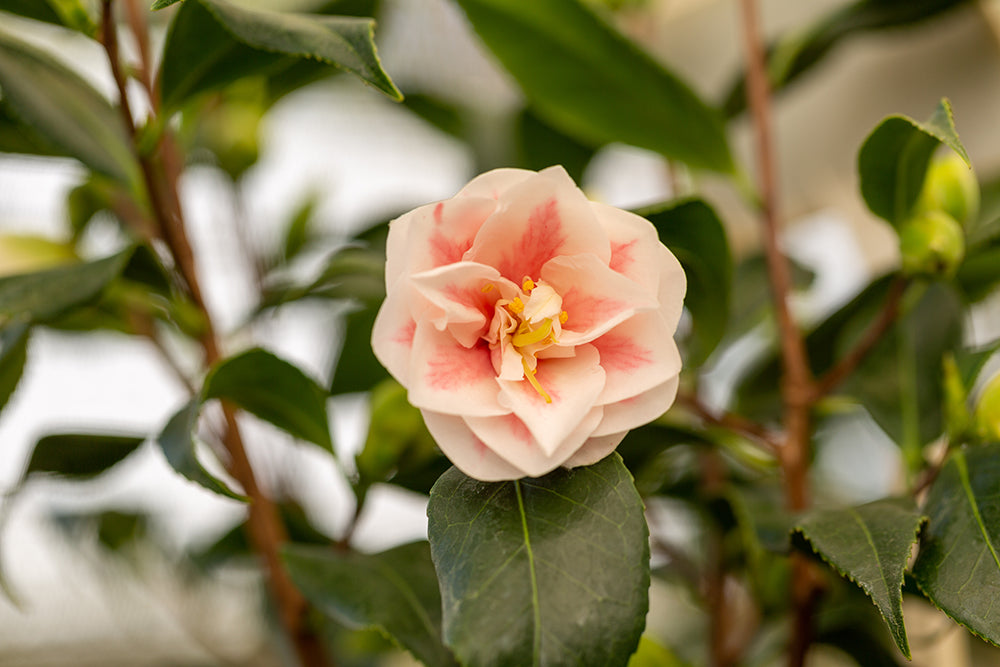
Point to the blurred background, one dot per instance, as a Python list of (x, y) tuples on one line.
[(106, 571)]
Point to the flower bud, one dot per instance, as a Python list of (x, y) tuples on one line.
[(27, 254), (988, 410), (951, 186), (931, 244)]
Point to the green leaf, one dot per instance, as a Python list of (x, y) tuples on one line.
[(398, 440), (400, 593), (212, 43), (13, 356), (958, 567), (694, 233), (592, 83), (178, 444), (357, 368), (45, 295), (274, 390), (64, 109), (542, 571), (80, 456), (18, 137), (653, 654), (40, 10), (870, 545), (541, 145), (162, 4), (893, 160)]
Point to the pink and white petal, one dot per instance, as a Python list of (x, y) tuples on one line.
[(448, 378), (635, 245), (595, 449), (594, 297), (456, 298), (466, 451), (437, 234), (494, 183), (393, 332), (573, 384), (510, 439), (542, 217), (673, 287), (637, 355), (638, 410)]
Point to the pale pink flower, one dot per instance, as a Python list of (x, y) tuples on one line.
[(532, 327)]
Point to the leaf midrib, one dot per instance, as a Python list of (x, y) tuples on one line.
[(963, 475), (536, 649)]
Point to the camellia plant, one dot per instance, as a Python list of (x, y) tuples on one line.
[(533, 360)]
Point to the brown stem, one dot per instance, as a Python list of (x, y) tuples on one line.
[(730, 421), (266, 530)]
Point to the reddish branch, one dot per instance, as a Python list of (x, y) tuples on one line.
[(265, 527), (730, 421)]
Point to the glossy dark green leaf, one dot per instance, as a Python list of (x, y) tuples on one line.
[(590, 82), (893, 160), (562, 561), (47, 294), (18, 137), (958, 566), (694, 233), (213, 42), (357, 368), (13, 356), (60, 106), (40, 10), (274, 390), (177, 440), (80, 455), (870, 545), (400, 593), (397, 438), (542, 145)]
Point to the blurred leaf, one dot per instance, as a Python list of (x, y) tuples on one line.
[(212, 43), (44, 295), (299, 231), (797, 52), (592, 83), (162, 4), (958, 567), (893, 160), (65, 110), (68, 13), (442, 115), (274, 390), (869, 545), (750, 300), (653, 654), (13, 356), (400, 593), (178, 444), (398, 440), (563, 560), (17, 137), (357, 368), (979, 273), (542, 145), (694, 233), (80, 456), (114, 530), (40, 10), (353, 272)]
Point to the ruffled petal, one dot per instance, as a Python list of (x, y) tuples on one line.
[(638, 410), (393, 332), (573, 384), (448, 378), (456, 298), (539, 218), (637, 355), (466, 451), (494, 183), (595, 449)]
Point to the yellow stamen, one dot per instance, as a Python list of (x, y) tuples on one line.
[(528, 284), (530, 375), (563, 316), (526, 336), (516, 306), (488, 287)]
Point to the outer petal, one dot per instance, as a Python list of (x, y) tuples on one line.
[(466, 451), (639, 410), (448, 378), (509, 438), (594, 297), (542, 217), (494, 183), (456, 300), (573, 383), (595, 449), (637, 355), (392, 335)]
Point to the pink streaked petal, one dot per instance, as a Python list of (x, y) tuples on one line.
[(435, 235), (493, 184), (638, 410), (456, 299), (637, 355), (448, 378), (673, 287), (393, 332), (595, 298), (573, 383), (634, 245), (595, 449), (511, 440), (466, 451), (542, 217)]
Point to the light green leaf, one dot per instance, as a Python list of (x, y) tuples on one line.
[(13, 355), (694, 233), (958, 567), (162, 4), (893, 160), (870, 545), (562, 561), (62, 107), (590, 82), (45, 295), (652, 654), (274, 390), (212, 43), (400, 593), (80, 455), (178, 444)]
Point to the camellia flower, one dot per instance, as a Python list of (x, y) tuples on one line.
[(532, 327)]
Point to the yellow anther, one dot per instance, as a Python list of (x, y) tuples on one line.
[(488, 287), (563, 316), (529, 374), (528, 284), (526, 336), (516, 306)]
